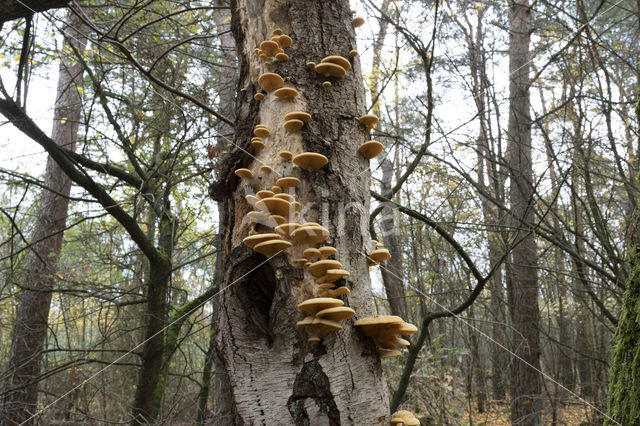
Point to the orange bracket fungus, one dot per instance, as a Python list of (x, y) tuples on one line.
[(282, 56), (369, 121), (293, 125), (261, 131), (310, 161), (286, 155), (328, 69), (310, 235), (370, 149), (288, 182), (406, 418), (260, 238), (338, 60), (270, 81), (271, 247), (264, 193), (353, 53), (358, 21), (244, 173), (311, 65), (286, 93), (285, 41), (269, 47), (256, 143), (298, 115), (258, 97)]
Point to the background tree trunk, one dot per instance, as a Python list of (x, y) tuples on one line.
[(525, 394), (267, 372), (30, 327)]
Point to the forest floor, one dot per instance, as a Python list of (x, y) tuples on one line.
[(497, 413)]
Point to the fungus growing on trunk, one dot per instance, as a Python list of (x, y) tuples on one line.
[(244, 173), (252, 240), (310, 235), (261, 131), (369, 121), (404, 417), (256, 143), (383, 329), (338, 60), (258, 97), (288, 182), (271, 247), (270, 81), (357, 22), (285, 41), (326, 84), (269, 47), (286, 93), (293, 125), (286, 155), (327, 69), (310, 161), (353, 53), (370, 149)]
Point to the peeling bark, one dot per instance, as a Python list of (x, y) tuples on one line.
[(267, 372)]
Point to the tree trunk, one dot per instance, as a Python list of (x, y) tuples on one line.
[(30, 327), (267, 372), (228, 76), (525, 395)]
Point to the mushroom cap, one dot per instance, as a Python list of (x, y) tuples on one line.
[(251, 199), (298, 115), (405, 417), (277, 219), (286, 155), (379, 325), (296, 205), (338, 60), (277, 32), (276, 189), (266, 169), (261, 132), (311, 224), (264, 56), (325, 286), (319, 327), (380, 254), (310, 160), (270, 81), (293, 125), (258, 97), (310, 235), (256, 143), (327, 251), (353, 53), (328, 69), (326, 84), (288, 182), (271, 247), (280, 49), (386, 353), (311, 253), (285, 41), (275, 205), (311, 65), (390, 342), (313, 306), (290, 198), (257, 51), (264, 193), (370, 149), (286, 93), (369, 120), (407, 329), (332, 275), (286, 229), (244, 173), (260, 217), (340, 291), (252, 240), (339, 313), (358, 21), (319, 268), (269, 47), (281, 56)]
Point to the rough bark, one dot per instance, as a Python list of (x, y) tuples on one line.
[(228, 76), (267, 373), (30, 327), (525, 395), (14, 9)]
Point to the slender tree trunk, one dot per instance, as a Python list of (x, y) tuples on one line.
[(267, 372), (525, 394), (30, 327), (228, 76)]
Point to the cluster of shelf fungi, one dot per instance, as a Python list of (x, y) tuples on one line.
[(275, 224)]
